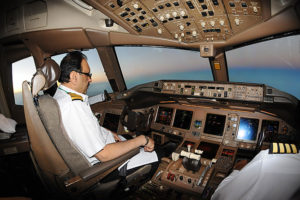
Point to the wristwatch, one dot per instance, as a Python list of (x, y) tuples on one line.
[(147, 140)]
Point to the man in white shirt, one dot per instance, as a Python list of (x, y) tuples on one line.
[(267, 176), (95, 142)]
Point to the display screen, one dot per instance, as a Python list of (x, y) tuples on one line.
[(214, 124), (164, 115), (183, 119), (270, 129), (111, 122), (247, 129), (210, 150)]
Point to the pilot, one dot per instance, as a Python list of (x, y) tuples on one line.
[(96, 143), (272, 174)]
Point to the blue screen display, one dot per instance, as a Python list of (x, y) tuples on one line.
[(248, 129)]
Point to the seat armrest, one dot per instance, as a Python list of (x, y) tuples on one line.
[(103, 166)]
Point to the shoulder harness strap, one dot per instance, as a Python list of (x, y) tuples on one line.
[(75, 97), (283, 148)]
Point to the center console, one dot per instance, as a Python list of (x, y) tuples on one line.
[(193, 165)]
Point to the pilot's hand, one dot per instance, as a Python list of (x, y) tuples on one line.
[(150, 146), (116, 137), (240, 164)]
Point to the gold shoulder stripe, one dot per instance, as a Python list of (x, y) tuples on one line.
[(75, 97), (288, 148), (282, 148), (294, 148)]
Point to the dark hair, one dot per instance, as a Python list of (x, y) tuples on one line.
[(71, 62)]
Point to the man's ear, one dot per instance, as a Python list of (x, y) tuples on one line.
[(73, 77)]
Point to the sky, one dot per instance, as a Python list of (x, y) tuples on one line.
[(274, 62)]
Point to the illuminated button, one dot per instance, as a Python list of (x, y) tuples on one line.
[(174, 14), (237, 21), (222, 22), (203, 24), (181, 27), (255, 9), (136, 6), (168, 15), (182, 35), (161, 18), (212, 23), (194, 33), (159, 31), (176, 35), (182, 13)]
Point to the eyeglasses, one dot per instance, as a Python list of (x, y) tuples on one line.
[(85, 73)]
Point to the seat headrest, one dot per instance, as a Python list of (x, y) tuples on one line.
[(45, 77)]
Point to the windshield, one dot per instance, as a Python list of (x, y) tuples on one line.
[(274, 62), (144, 64)]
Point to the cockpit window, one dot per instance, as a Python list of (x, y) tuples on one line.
[(274, 62), (99, 79), (145, 64)]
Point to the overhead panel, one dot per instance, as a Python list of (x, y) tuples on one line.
[(187, 21)]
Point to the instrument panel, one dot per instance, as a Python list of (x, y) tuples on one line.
[(234, 128), (188, 21), (215, 90)]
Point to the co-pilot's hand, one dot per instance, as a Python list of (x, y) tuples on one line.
[(150, 146), (116, 137)]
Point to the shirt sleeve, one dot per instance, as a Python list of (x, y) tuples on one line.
[(82, 128)]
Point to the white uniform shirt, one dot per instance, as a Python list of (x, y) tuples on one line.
[(81, 125), (267, 176)]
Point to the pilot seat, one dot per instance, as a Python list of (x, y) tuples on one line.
[(63, 170)]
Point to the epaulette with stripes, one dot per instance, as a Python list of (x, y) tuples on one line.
[(75, 97), (283, 148)]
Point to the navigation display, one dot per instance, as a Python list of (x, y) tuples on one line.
[(214, 124), (164, 115), (271, 130), (183, 119), (209, 150), (111, 122), (247, 129)]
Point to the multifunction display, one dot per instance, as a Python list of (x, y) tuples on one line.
[(164, 115), (183, 119), (214, 124), (247, 129)]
